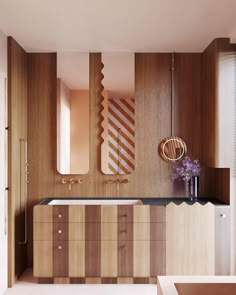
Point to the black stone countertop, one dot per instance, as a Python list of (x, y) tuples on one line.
[(146, 201)]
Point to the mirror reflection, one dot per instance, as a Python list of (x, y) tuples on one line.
[(118, 148), (73, 113)]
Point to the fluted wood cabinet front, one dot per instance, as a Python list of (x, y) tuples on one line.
[(99, 241)]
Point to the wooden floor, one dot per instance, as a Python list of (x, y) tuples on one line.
[(27, 285)]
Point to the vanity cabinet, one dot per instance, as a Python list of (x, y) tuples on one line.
[(198, 239), (95, 241)]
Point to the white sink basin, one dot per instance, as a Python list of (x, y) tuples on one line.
[(95, 202)]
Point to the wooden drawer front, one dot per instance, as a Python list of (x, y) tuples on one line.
[(157, 231), (109, 258), (141, 231), (92, 231), (109, 231), (93, 213), (76, 258), (125, 231), (157, 258), (60, 259), (76, 213), (43, 259), (125, 259), (157, 213), (77, 231), (43, 231), (141, 213), (43, 213), (141, 258), (60, 231), (125, 213), (109, 213), (60, 213), (92, 258)]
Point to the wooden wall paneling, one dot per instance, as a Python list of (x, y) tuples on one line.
[(41, 132), (17, 122), (152, 124), (186, 101), (141, 258), (210, 113)]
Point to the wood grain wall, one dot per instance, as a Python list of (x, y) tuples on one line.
[(17, 122), (153, 122)]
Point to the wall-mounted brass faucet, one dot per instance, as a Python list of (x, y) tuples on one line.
[(71, 181), (118, 182)]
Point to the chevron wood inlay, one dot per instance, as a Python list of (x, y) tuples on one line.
[(121, 136)]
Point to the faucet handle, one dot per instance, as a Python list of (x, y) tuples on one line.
[(63, 181)]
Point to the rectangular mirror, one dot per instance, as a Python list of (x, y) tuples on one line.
[(118, 148), (72, 113)]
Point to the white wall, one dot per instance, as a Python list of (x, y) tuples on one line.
[(3, 204)]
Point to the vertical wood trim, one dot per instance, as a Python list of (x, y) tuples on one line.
[(17, 121), (125, 259), (92, 246)]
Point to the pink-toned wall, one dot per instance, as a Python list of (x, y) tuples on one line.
[(63, 128), (79, 131)]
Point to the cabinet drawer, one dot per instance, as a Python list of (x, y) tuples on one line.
[(43, 231), (43, 213), (77, 231), (60, 213), (125, 231), (43, 259), (49, 231), (60, 259), (125, 213)]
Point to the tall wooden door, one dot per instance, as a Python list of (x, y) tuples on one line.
[(3, 163)]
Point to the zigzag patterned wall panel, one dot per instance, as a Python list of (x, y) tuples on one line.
[(121, 136)]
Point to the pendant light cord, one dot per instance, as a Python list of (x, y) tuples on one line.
[(172, 91)]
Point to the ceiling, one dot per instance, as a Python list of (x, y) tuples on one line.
[(121, 25)]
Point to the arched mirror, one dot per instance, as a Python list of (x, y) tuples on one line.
[(72, 113), (118, 148)]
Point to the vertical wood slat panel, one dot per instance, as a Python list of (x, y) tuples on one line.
[(109, 241), (125, 241), (92, 247), (17, 71), (60, 241), (76, 258)]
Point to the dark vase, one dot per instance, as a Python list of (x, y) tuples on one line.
[(193, 188)]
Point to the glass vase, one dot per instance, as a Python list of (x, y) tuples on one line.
[(193, 188)]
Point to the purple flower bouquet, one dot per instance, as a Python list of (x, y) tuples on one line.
[(185, 169)]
